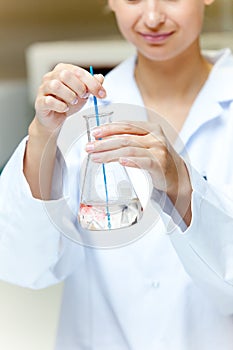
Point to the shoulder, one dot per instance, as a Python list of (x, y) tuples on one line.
[(220, 81), (221, 59), (124, 70)]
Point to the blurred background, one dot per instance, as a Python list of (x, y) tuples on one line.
[(24, 22), (35, 35)]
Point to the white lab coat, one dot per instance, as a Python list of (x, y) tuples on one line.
[(164, 292)]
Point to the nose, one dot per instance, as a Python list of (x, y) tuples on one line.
[(153, 14)]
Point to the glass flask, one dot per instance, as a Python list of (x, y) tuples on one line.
[(108, 199)]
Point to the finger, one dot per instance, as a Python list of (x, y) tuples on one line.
[(115, 142), (69, 79), (50, 103), (153, 166), (93, 83), (117, 128), (115, 155), (148, 162), (72, 68), (59, 90), (135, 162)]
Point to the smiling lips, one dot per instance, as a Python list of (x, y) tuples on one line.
[(156, 38)]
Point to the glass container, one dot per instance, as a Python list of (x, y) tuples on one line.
[(108, 198)]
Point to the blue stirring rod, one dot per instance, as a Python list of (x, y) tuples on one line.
[(103, 166)]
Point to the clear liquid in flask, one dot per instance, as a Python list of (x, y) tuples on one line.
[(96, 216)]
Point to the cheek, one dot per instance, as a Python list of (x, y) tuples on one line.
[(125, 25), (191, 23)]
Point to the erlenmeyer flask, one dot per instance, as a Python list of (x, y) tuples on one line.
[(108, 199)]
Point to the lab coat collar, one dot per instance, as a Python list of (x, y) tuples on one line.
[(221, 75), (213, 97), (121, 86)]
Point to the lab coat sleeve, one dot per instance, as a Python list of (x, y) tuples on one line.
[(206, 246), (33, 253)]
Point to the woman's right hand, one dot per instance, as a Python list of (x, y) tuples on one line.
[(63, 92)]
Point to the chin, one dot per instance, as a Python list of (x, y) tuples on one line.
[(157, 56), (162, 53)]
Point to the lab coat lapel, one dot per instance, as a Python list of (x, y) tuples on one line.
[(210, 102), (202, 111)]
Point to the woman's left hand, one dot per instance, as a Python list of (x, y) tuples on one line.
[(144, 145)]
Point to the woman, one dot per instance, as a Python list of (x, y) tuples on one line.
[(162, 291)]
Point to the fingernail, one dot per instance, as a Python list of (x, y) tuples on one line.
[(74, 102), (89, 147), (85, 95), (101, 93), (124, 161), (66, 109)]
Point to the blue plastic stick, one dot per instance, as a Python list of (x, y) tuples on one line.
[(103, 166)]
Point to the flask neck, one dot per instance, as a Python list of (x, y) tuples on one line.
[(93, 120)]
